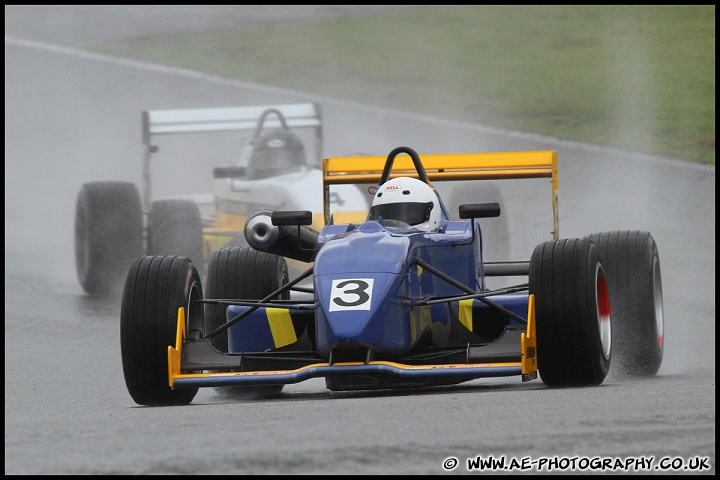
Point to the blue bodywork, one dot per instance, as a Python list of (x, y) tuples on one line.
[(374, 268), (367, 286)]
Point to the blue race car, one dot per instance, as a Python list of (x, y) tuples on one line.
[(398, 299)]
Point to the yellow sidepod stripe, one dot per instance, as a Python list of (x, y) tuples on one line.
[(281, 326), (466, 313), (421, 320), (425, 318)]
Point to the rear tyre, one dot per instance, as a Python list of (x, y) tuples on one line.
[(242, 273), (175, 228), (632, 266), (108, 234), (155, 288), (572, 312)]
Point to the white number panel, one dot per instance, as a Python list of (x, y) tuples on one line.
[(351, 294)]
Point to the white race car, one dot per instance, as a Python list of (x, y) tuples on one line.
[(273, 171)]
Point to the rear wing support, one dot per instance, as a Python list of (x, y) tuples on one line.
[(200, 120), (441, 167)]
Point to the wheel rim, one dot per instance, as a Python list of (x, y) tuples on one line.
[(603, 311)]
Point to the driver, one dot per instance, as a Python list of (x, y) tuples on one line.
[(409, 201), (276, 153)]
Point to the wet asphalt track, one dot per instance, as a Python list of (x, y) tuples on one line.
[(71, 117)]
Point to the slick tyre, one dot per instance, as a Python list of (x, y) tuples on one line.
[(108, 234), (175, 228), (155, 288), (242, 273), (632, 267), (572, 313)]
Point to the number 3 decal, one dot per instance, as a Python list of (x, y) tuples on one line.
[(351, 294)]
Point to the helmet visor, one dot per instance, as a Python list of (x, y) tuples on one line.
[(412, 213)]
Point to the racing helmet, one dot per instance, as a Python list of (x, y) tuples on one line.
[(407, 200), (276, 152)]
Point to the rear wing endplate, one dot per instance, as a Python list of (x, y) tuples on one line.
[(442, 167), (201, 120)]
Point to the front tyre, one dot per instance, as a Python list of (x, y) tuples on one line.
[(242, 273), (572, 312), (155, 288), (632, 264)]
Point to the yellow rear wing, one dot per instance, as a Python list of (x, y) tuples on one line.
[(444, 167)]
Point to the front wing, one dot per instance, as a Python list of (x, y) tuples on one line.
[(181, 376)]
